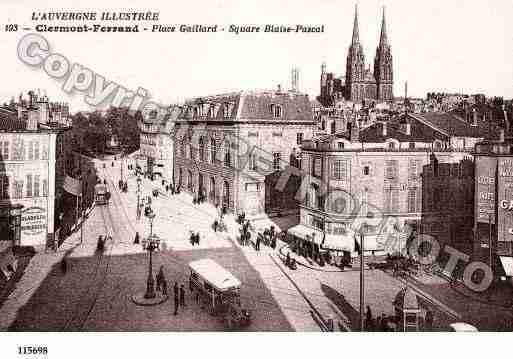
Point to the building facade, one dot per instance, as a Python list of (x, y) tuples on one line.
[(411, 170), (229, 148), (33, 159), (156, 145)]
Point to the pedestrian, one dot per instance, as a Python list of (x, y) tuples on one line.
[(160, 278), (182, 296), (216, 224), (164, 287), (175, 290), (136, 240), (64, 266), (198, 238), (429, 320), (287, 260)]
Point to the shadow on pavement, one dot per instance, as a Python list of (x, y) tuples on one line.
[(340, 302)]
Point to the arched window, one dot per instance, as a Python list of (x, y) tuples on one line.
[(201, 149)]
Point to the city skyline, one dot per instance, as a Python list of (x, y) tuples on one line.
[(442, 50)]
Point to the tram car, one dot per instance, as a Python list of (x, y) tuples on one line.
[(219, 290), (101, 195)]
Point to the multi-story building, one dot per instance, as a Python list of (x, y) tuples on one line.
[(33, 157), (230, 148), (360, 83), (156, 145), (415, 169)]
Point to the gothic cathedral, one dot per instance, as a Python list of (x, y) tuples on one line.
[(360, 82)]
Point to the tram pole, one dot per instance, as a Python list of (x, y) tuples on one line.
[(362, 282)]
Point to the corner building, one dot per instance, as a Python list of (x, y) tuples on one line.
[(231, 148)]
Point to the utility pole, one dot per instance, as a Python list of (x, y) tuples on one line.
[(362, 282)]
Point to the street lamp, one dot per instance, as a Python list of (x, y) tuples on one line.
[(152, 244)]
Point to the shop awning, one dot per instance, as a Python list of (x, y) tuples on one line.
[(306, 233), (393, 242), (507, 264), (339, 242)]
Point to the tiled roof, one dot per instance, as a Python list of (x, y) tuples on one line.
[(9, 121), (452, 125), (419, 133)]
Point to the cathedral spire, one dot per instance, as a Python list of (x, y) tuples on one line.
[(383, 38), (356, 32)]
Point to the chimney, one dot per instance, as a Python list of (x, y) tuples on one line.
[(354, 134), (384, 128), (474, 117)]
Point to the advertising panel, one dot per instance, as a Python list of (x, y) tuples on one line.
[(33, 225), (485, 189), (505, 199)]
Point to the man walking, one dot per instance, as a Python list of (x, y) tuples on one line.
[(182, 296), (175, 290)]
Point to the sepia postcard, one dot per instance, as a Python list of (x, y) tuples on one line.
[(326, 167)]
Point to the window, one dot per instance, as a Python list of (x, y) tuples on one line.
[(45, 188), (5, 151), (227, 155), (213, 150), (182, 147), (36, 150), (391, 169), (412, 200), (36, 186), (339, 170), (412, 145), (201, 149), (190, 151), (366, 170), (31, 150), (391, 146), (340, 145), (253, 162), (276, 110), (299, 138), (18, 189), (29, 186), (317, 167), (276, 161), (413, 169), (4, 187), (391, 200), (317, 223)]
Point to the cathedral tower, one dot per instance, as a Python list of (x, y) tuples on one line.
[(383, 67), (355, 66)]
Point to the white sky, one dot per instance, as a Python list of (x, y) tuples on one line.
[(452, 46)]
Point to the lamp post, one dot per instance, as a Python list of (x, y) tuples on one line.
[(362, 279), (151, 245)]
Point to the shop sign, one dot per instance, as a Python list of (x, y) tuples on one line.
[(33, 221)]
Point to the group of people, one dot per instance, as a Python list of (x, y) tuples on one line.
[(199, 199), (178, 290), (195, 238), (100, 245), (171, 188), (290, 262), (123, 185), (219, 225)]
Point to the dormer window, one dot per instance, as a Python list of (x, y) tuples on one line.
[(276, 110), (391, 146)]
